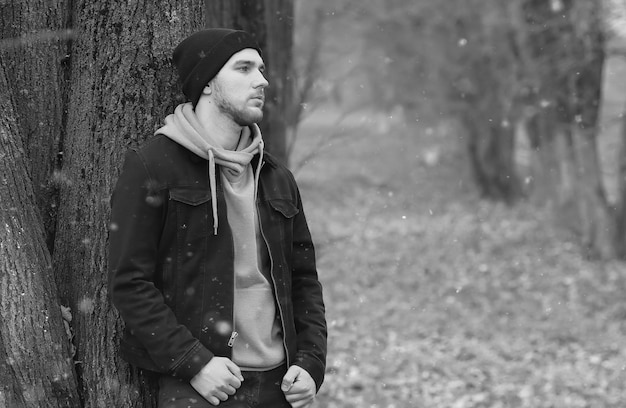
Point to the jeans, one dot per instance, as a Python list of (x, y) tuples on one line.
[(259, 389)]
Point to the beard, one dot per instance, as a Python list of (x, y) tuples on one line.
[(243, 116)]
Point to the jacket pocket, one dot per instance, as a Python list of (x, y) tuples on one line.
[(190, 213), (285, 207), (190, 196), (192, 210), (279, 230)]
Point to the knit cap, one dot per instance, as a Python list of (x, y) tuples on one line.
[(200, 57)]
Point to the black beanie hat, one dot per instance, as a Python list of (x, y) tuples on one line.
[(200, 57)]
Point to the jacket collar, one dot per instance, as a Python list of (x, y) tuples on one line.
[(268, 159)]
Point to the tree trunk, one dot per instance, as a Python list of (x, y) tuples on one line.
[(596, 222), (568, 50), (545, 170), (279, 19), (271, 22), (491, 148), (35, 46), (36, 366), (621, 207), (222, 13), (123, 85)]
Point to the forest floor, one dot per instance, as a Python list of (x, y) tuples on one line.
[(436, 298)]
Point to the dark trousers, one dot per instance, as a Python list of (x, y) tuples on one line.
[(259, 389)]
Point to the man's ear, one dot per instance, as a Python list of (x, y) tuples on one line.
[(207, 90)]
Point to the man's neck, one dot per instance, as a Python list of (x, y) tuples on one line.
[(221, 128)]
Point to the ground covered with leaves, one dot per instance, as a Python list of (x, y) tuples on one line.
[(436, 298)]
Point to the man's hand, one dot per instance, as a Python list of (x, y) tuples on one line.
[(299, 387), (217, 380)]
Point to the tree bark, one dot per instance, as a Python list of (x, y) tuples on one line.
[(279, 17), (222, 13), (123, 85), (34, 49), (621, 205), (36, 366)]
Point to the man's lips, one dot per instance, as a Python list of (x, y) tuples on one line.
[(259, 99)]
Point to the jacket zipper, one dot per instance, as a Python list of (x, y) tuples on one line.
[(234, 334), (280, 309), (269, 252)]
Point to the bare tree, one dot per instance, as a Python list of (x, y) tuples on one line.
[(615, 16), (566, 48), (36, 366), (122, 85), (621, 207)]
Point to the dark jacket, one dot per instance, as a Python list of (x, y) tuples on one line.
[(172, 279)]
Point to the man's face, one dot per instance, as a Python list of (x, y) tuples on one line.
[(238, 88)]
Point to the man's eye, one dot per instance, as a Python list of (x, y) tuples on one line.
[(244, 69)]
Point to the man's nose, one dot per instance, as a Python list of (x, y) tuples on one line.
[(260, 81)]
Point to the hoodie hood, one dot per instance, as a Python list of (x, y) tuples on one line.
[(184, 128)]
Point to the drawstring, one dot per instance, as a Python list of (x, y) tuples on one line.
[(213, 193), (258, 169), (212, 181)]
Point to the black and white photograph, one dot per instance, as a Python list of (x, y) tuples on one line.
[(313, 204)]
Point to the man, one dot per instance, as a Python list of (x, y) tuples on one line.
[(212, 266)]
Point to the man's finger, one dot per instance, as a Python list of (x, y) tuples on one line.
[(221, 395), (289, 378), (235, 382), (296, 402), (234, 368), (229, 389)]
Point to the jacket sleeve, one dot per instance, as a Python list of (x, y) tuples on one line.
[(308, 303), (138, 208)]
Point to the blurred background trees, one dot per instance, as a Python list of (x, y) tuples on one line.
[(518, 79)]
